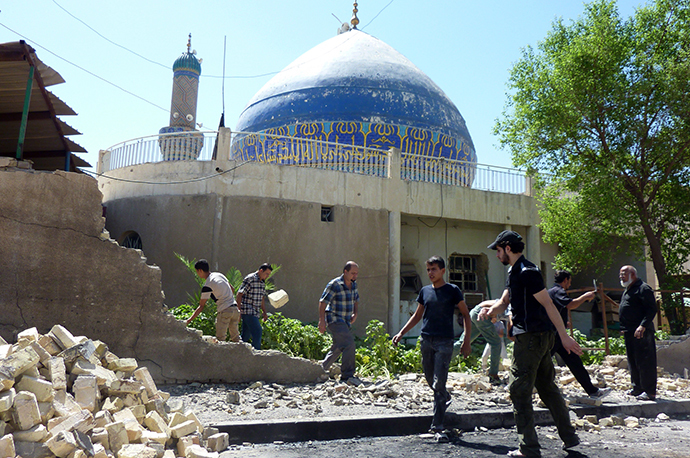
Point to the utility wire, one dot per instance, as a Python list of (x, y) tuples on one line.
[(85, 70), (193, 180), (377, 14)]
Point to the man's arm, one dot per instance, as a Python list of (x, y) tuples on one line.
[(199, 309), (322, 317), (499, 307), (238, 299), (466, 348), (568, 342), (575, 303), (263, 309), (411, 323), (648, 302), (354, 313)]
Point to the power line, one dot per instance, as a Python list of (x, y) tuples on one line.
[(85, 70), (193, 180), (377, 14)]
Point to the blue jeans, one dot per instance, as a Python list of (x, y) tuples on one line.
[(487, 329), (251, 330), (343, 342), (436, 355)]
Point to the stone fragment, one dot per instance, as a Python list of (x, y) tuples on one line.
[(155, 423), (123, 364), (136, 451), (218, 442), (606, 422), (62, 444), (632, 422), (158, 406), (64, 404), (183, 429), (142, 374), (43, 389), (185, 442), (197, 451), (175, 419), (82, 421), (99, 451), (233, 397), (208, 432), (7, 446), (26, 413), (117, 435), (151, 437), (43, 355), (17, 363), (62, 336), (49, 344), (35, 434), (592, 419), (134, 429), (103, 376), (46, 410), (30, 335), (57, 374), (79, 351), (100, 436), (86, 392), (7, 400), (566, 379), (113, 404), (168, 454), (192, 416), (102, 418), (124, 387), (139, 411)]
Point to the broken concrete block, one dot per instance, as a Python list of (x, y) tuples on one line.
[(100, 436), (78, 454), (64, 404), (124, 387), (136, 451), (185, 443), (589, 401), (26, 413), (123, 364), (43, 355), (102, 418), (155, 423), (183, 429), (7, 446), (113, 404), (36, 434), (149, 437), (157, 405), (46, 410), (164, 395), (208, 432), (43, 389), (99, 451), (84, 443), (82, 421), (103, 376), (175, 419), (139, 411), (218, 442), (82, 350), (197, 451), (168, 454), (134, 429), (7, 400), (57, 374), (117, 435), (5, 351), (30, 335), (142, 374), (62, 444), (192, 416), (86, 392), (49, 344), (32, 449), (17, 363), (175, 405), (62, 336)]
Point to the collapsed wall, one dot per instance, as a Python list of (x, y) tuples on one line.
[(58, 266)]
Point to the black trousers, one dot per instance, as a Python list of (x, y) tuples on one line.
[(641, 361), (575, 365)]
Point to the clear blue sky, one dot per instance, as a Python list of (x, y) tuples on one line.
[(466, 47)]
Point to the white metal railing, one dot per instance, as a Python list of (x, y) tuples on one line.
[(303, 152)]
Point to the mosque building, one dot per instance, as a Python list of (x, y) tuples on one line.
[(349, 153)]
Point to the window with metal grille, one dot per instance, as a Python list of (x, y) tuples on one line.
[(326, 214), (462, 271)]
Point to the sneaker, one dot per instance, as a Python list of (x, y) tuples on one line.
[(601, 392), (495, 380), (574, 442), (354, 381), (441, 437), (515, 453), (634, 392), (646, 397)]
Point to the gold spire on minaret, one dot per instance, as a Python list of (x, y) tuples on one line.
[(354, 21), (189, 44)]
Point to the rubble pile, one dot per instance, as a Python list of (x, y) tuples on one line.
[(69, 397)]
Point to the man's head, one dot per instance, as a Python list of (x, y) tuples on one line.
[(350, 271), (563, 278), (627, 275), (264, 271), (202, 268), (508, 246), (435, 268)]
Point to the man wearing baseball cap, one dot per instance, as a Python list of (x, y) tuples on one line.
[(534, 318)]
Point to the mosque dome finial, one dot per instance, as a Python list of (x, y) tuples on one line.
[(188, 61), (189, 44), (355, 20)]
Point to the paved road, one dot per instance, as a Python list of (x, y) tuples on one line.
[(669, 439)]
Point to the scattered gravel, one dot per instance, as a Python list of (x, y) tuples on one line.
[(404, 395)]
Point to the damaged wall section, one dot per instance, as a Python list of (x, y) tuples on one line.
[(58, 267)]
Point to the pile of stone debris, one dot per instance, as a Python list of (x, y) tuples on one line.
[(68, 396)]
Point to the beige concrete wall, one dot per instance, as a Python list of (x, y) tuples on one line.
[(58, 267), (251, 231)]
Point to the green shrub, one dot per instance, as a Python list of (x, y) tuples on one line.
[(294, 338), (378, 356)]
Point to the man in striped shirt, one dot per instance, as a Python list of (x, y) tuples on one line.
[(250, 298)]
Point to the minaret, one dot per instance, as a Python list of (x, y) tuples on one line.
[(185, 91)]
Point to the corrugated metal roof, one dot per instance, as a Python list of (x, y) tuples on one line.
[(45, 142)]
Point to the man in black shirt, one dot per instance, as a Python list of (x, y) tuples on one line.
[(563, 302), (534, 317), (636, 314), (436, 306)]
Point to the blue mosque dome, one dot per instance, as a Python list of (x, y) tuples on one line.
[(187, 62), (356, 89)]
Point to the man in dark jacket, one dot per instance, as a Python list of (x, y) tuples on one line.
[(636, 314)]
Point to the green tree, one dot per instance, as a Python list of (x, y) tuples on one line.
[(602, 106)]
